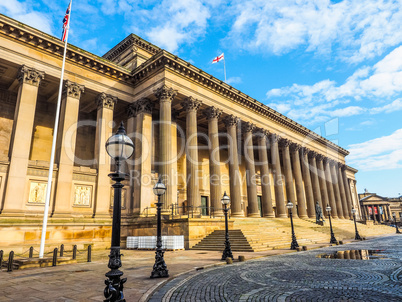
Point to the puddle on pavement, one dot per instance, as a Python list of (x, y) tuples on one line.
[(355, 255)]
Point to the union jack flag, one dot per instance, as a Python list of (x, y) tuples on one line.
[(65, 22)]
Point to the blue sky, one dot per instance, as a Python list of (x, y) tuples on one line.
[(333, 66)]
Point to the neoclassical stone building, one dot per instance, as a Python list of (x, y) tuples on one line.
[(200, 134)]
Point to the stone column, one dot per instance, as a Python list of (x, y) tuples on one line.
[(323, 183), (165, 96), (191, 105), (307, 184), (287, 167), (330, 188), (314, 179), (234, 175), (21, 136), (301, 199), (278, 185), (252, 209), (346, 212), (66, 147), (142, 178), (347, 189), (212, 114), (131, 133), (266, 199), (104, 129), (335, 183)]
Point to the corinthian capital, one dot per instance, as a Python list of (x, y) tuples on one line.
[(248, 127), (283, 142), (295, 147), (231, 120), (261, 133), (30, 75), (191, 104), (275, 138), (73, 90), (165, 93), (320, 157), (104, 100), (144, 105), (212, 112), (312, 154)]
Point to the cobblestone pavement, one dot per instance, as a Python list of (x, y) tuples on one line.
[(298, 277)]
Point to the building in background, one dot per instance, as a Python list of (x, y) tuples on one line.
[(380, 209)]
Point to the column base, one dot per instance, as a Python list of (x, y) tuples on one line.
[(62, 215), (254, 215), (282, 216), (303, 217), (238, 214), (269, 216), (13, 213)]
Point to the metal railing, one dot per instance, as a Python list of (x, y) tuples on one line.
[(12, 261)]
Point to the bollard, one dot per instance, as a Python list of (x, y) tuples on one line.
[(304, 248), (30, 252), (242, 258), (89, 253), (10, 262), (229, 260), (54, 263), (299, 248), (74, 252), (61, 250), (1, 258)]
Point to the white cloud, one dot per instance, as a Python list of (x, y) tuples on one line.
[(380, 83), (378, 154), (25, 14), (356, 30), (234, 80)]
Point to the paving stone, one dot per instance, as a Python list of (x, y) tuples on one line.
[(298, 277)]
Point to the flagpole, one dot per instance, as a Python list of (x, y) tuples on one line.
[(224, 67), (56, 126)]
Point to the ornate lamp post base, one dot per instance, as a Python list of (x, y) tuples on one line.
[(160, 269), (114, 285)]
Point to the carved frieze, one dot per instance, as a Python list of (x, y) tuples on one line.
[(30, 75), (104, 100), (212, 112), (72, 89), (165, 93), (84, 177), (37, 192), (82, 195), (191, 104)]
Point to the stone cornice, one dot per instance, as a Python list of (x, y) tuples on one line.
[(49, 44), (131, 41), (164, 59)]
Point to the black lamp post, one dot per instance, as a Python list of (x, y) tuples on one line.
[(357, 236), (160, 269), (396, 226), (294, 243), (227, 252), (119, 147), (333, 239)]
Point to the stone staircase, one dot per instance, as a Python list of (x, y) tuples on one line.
[(216, 242), (260, 234)]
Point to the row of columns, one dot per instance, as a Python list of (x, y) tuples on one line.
[(378, 216), (316, 178), (21, 139)]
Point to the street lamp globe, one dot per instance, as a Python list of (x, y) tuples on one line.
[(119, 146), (159, 188), (289, 205), (225, 199), (354, 211), (328, 208), (394, 215)]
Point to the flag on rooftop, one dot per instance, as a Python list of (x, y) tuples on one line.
[(65, 22), (218, 58)]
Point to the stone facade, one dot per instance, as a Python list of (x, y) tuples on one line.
[(201, 135)]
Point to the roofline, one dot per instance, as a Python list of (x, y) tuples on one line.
[(164, 59)]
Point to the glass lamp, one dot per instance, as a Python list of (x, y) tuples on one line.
[(225, 199), (120, 146)]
